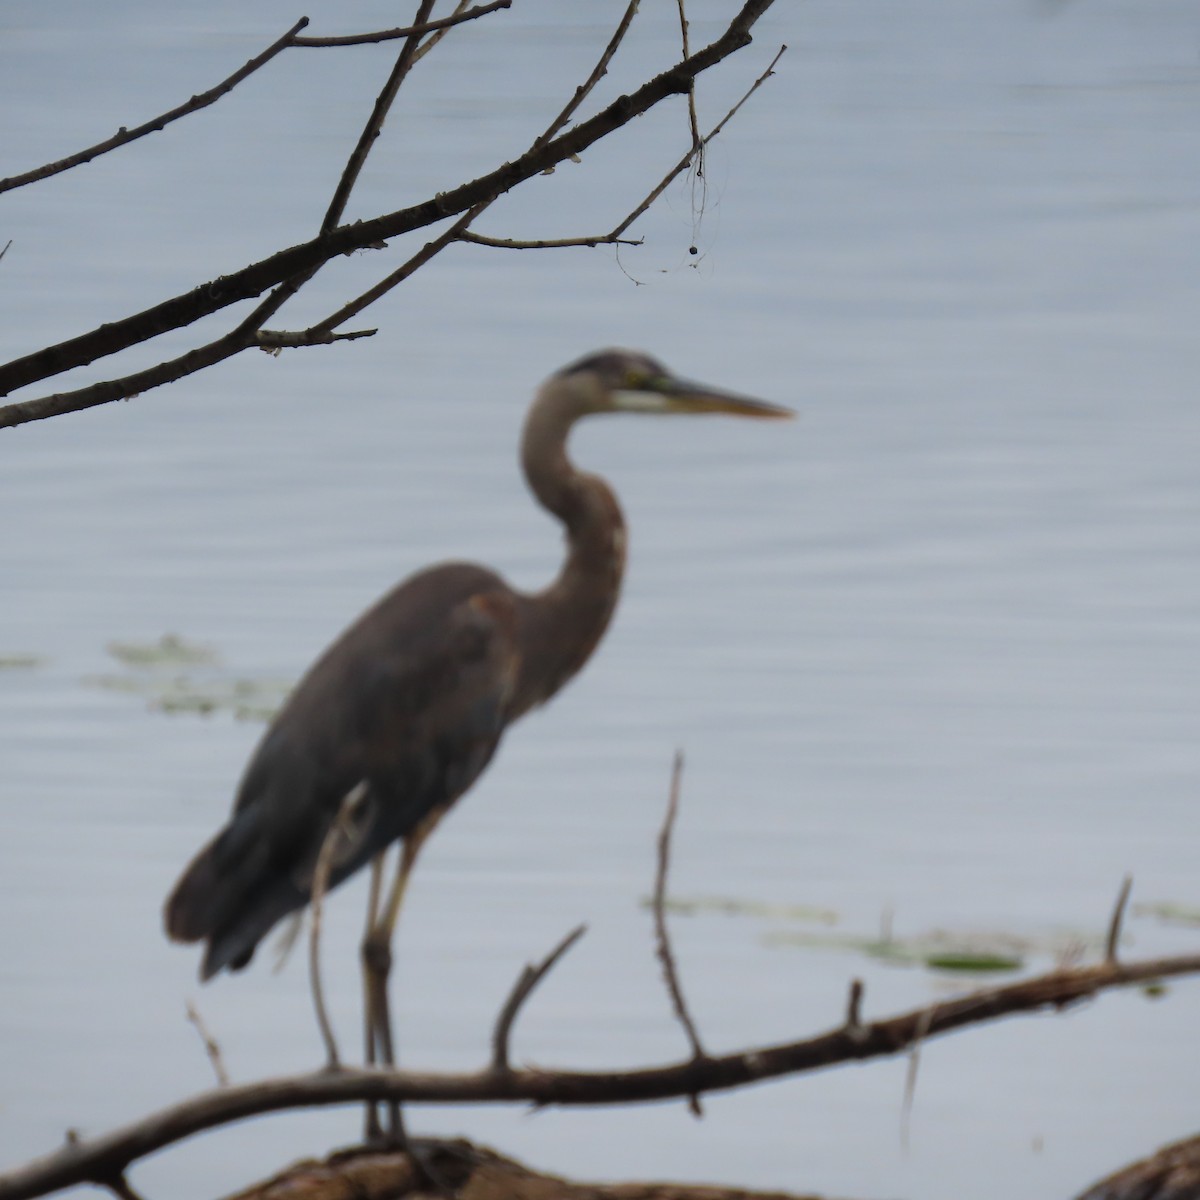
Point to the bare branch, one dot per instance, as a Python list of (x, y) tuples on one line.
[(693, 123), (387, 35), (598, 72), (126, 387), (1118, 917), (431, 248), (124, 136), (430, 42), (662, 939), (101, 1158), (211, 1046), (358, 157), (529, 978), (599, 239), (293, 262), (614, 237), (854, 1025), (288, 287), (686, 161), (910, 1076), (275, 340)]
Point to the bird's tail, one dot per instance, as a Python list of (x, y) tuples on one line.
[(228, 898), (189, 908)]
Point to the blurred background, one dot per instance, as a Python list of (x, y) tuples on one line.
[(932, 652)]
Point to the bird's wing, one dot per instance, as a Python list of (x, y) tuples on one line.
[(410, 702)]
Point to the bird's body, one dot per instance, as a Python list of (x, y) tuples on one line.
[(400, 715), (364, 713)]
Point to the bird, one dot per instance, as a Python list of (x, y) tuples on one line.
[(403, 712)]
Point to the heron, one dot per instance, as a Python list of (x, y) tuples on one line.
[(402, 713)]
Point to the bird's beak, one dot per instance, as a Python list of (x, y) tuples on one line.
[(670, 395)]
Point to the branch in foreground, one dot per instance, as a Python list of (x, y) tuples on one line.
[(203, 99), (529, 978), (211, 1047), (387, 35), (598, 72), (662, 940), (1113, 941), (124, 136), (253, 280), (687, 160), (104, 1157), (366, 140), (284, 339), (248, 333), (462, 227), (597, 239)]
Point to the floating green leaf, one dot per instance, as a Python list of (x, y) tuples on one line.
[(1170, 914), (20, 662), (973, 963), (942, 950), (179, 677), (169, 651), (736, 906)]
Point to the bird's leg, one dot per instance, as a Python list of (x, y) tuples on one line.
[(373, 1131), (377, 956)]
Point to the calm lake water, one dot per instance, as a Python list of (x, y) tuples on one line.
[(932, 652)]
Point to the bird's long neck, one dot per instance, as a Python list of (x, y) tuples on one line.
[(563, 623)]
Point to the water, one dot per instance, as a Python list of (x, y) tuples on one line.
[(933, 650)]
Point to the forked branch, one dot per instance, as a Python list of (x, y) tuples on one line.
[(388, 35), (103, 1158), (529, 978), (287, 269)]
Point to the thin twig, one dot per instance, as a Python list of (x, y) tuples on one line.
[(529, 978), (6, 246), (686, 161), (412, 52), (693, 123), (600, 239), (614, 237), (430, 42), (320, 883), (459, 231), (211, 1046), (281, 339), (431, 248), (387, 35), (288, 287), (854, 1025), (661, 938), (598, 72), (910, 1075), (1118, 919), (358, 157), (124, 136)]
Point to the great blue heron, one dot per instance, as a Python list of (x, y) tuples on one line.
[(406, 708)]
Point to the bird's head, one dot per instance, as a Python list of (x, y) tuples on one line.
[(627, 381)]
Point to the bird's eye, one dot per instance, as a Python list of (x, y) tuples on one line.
[(634, 381)]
